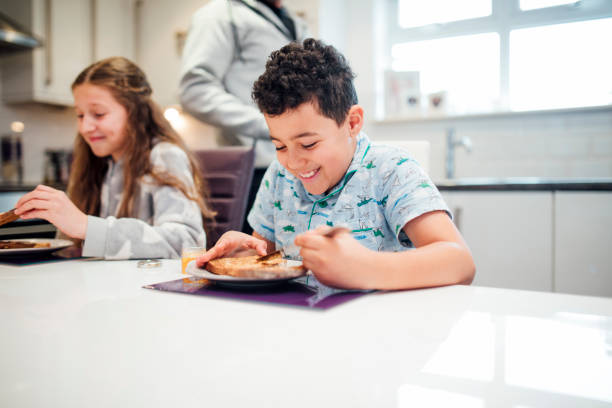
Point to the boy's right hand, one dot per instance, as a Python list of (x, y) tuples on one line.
[(231, 242), (54, 206)]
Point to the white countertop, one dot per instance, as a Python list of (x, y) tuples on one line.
[(84, 333)]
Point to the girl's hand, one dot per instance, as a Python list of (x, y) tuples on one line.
[(339, 261), (54, 206), (231, 243)]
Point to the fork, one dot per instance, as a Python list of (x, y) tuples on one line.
[(288, 249)]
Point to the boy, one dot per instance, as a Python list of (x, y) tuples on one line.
[(328, 173)]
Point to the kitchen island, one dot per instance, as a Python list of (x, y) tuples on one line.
[(86, 333)]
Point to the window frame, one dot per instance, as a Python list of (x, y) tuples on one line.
[(506, 16)]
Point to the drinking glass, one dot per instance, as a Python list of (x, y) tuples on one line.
[(189, 254)]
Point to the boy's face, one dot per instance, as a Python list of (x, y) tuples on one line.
[(312, 147)]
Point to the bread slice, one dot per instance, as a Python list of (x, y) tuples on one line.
[(267, 267), (23, 244)]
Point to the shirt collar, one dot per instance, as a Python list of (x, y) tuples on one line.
[(361, 151), (112, 164)]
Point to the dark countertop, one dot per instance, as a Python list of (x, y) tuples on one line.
[(525, 184), (463, 184), (8, 188), (13, 187)]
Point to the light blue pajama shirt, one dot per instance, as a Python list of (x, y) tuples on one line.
[(382, 190)]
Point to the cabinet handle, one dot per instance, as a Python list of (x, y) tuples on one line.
[(137, 18), (48, 43), (93, 6), (457, 213)]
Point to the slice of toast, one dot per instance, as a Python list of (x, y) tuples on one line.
[(255, 267), (4, 244)]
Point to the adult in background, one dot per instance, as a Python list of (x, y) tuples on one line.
[(226, 50)]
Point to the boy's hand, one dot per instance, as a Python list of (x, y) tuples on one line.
[(230, 243), (339, 261)]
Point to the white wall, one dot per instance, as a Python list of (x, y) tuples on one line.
[(577, 144), (46, 127), (49, 126), (159, 54), (570, 144)]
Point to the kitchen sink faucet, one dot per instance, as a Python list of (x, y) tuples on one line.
[(451, 143)]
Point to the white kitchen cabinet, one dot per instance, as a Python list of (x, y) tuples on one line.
[(510, 235), (45, 74), (583, 243), (75, 33)]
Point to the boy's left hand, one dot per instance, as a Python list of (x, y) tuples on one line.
[(339, 261)]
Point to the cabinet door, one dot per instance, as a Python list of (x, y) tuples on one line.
[(510, 235), (583, 243), (65, 28), (46, 73), (75, 34)]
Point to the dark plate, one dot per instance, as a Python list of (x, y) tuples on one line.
[(238, 283), (54, 245)]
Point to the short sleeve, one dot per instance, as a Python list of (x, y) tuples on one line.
[(261, 216), (410, 193)]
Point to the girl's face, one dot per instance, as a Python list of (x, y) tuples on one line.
[(101, 120), (313, 147)]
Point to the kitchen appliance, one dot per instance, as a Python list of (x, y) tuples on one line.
[(14, 38), (57, 167), (11, 154)]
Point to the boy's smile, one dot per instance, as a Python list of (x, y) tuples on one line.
[(312, 147)]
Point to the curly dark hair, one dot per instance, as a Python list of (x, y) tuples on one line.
[(308, 72)]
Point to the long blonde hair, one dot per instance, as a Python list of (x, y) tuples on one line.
[(145, 127)]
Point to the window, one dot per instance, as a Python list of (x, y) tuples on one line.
[(452, 66), (498, 55), (421, 13), (571, 72)]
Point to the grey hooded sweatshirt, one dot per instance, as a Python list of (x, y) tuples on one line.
[(166, 219), (225, 52)]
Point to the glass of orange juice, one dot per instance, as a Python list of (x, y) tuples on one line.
[(189, 254)]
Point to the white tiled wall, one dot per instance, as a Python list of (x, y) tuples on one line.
[(575, 144), (568, 144), (51, 127), (571, 144)]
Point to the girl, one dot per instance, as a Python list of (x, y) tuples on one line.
[(134, 189)]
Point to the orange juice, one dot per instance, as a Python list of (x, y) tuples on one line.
[(190, 254)]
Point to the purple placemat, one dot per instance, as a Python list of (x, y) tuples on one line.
[(291, 293)]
